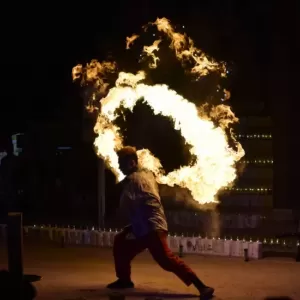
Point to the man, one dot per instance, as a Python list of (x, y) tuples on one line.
[(148, 229)]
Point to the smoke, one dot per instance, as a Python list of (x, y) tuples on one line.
[(177, 196), (182, 197), (240, 168), (215, 229)]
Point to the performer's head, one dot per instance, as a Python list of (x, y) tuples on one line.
[(128, 159)]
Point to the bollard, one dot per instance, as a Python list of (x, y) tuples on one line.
[(180, 250), (246, 255), (298, 252), (245, 249), (15, 245)]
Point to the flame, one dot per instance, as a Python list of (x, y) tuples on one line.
[(227, 94), (185, 50), (214, 166), (149, 51), (130, 40)]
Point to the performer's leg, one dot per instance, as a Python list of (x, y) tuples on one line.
[(124, 250), (162, 254)]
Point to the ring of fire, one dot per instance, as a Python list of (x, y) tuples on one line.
[(214, 167)]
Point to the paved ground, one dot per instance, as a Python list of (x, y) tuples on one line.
[(81, 273)]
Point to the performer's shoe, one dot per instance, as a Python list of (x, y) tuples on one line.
[(120, 284), (206, 292)]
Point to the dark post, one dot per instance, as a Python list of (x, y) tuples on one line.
[(15, 245), (298, 252), (180, 250), (246, 255)]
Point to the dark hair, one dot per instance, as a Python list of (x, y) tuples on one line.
[(128, 152)]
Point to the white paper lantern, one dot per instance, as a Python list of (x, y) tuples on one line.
[(237, 248), (72, 236), (203, 246), (78, 237), (112, 235), (59, 234), (67, 232), (189, 245), (93, 238), (209, 249), (182, 242), (197, 245), (174, 243), (218, 247), (227, 247), (86, 237), (50, 233), (245, 245), (106, 238), (206, 246), (99, 237), (255, 251), (54, 234)]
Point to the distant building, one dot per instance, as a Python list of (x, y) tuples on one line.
[(2, 155), (18, 143), (252, 191), (61, 173)]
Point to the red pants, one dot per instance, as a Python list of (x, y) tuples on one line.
[(125, 250)]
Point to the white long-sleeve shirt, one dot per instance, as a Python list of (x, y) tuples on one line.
[(140, 197)]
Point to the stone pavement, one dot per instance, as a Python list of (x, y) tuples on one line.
[(82, 273)]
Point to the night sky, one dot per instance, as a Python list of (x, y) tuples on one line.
[(259, 39), (40, 47)]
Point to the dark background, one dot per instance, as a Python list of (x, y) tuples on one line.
[(41, 45), (259, 40)]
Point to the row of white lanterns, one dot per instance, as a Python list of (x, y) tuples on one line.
[(178, 243), (184, 244)]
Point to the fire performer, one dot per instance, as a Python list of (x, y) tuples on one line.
[(148, 229)]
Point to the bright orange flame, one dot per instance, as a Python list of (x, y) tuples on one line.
[(214, 167)]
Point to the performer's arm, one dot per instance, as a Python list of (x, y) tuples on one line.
[(127, 196)]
